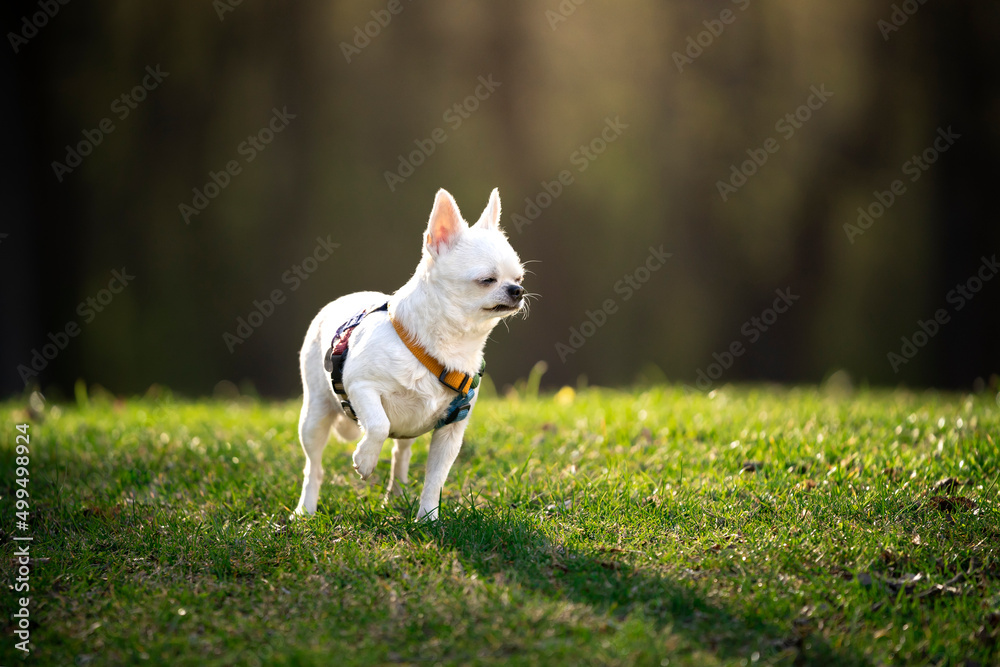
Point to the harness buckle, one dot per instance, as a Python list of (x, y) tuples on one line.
[(334, 362), (458, 410), (461, 385)]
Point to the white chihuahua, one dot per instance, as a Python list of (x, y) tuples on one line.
[(402, 365)]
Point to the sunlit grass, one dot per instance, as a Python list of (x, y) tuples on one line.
[(771, 526)]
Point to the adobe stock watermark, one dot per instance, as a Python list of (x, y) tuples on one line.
[(21, 619), (30, 25), (900, 14), (248, 149), (454, 116), (626, 287), (363, 35), (121, 107), (958, 297), (580, 159), (752, 331), (223, 7), (696, 44), (88, 309), (562, 12), (786, 126), (914, 168), (294, 277)]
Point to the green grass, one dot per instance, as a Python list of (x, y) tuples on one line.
[(609, 528)]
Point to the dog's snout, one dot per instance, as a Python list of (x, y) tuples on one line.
[(515, 291)]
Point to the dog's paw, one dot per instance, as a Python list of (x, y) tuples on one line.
[(428, 515), (365, 462), (300, 513)]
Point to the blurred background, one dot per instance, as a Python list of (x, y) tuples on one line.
[(212, 153)]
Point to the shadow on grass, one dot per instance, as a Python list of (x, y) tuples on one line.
[(498, 543)]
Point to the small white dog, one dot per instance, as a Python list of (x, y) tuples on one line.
[(399, 366)]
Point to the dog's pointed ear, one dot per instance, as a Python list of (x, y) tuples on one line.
[(445, 226), (490, 219)]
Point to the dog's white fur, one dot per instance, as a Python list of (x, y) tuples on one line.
[(450, 307)]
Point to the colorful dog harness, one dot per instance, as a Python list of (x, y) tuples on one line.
[(462, 383)]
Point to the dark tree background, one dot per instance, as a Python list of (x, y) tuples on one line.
[(683, 124)]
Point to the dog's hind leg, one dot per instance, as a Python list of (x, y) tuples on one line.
[(401, 451), (314, 430), (346, 429)]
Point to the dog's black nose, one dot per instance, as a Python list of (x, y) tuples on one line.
[(515, 291)]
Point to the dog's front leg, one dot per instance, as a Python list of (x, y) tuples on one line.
[(445, 444), (368, 407)]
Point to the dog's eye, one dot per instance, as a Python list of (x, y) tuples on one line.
[(519, 279), (487, 281)]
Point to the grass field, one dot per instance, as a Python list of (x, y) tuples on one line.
[(655, 526)]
